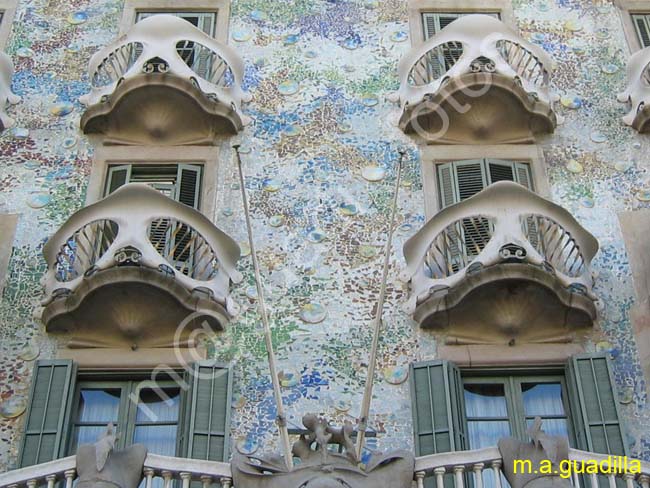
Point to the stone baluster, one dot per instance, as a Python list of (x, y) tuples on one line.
[(458, 476), (496, 467), (69, 477), (167, 477), (226, 482), (644, 480), (629, 480), (478, 475), (186, 477), (593, 480), (148, 476), (440, 477), (419, 479), (50, 478), (206, 481)]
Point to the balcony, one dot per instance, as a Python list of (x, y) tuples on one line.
[(637, 93), (7, 97), (501, 266), (129, 270), (475, 82), (165, 82), (480, 464)]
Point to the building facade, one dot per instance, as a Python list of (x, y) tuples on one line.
[(517, 283)]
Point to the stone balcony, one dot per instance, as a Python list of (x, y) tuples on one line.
[(637, 93), (131, 269), (503, 265), (165, 82), (7, 97), (475, 82)]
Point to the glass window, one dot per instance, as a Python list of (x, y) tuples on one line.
[(141, 415)]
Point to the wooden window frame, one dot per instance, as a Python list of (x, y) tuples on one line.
[(205, 156), (126, 422), (511, 380), (432, 156), (8, 10), (417, 7), (219, 7), (626, 9)]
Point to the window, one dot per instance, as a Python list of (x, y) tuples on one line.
[(456, 410), (142, 414), (195, 56), (642, 25), (68, 408), (434, 22), (459, 180), (181, 182), (503, 406), (7, 13)]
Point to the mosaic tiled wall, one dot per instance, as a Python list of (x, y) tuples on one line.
[(320, 156)]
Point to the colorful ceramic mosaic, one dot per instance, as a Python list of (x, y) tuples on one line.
[(321, 164)]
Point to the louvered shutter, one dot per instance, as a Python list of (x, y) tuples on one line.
[(594, 405), (430, 24), (471, 177), (447, 184), (188, 184), (209, 420), (438, 408), (500, 170), (642, 24), (117, 176), (523, 175), (49, 410)]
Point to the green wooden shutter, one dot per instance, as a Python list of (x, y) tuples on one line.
[(117, 176), (430, 24), (47, 416), (438, 408), (447, 185), (471, 177), (188, 185), (209, 422), (523, 175), (642, 24), (594, 405), (499, 170)]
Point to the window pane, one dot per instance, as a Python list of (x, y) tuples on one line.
[(486, 433), (99, 405), (158, 405), (485, 400), (552, 426), (88, 434), (159, 439), (542, 399)]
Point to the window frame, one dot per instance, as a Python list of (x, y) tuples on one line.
[(418, 7), (221, 8), (126, 423), (512, 378), (8, 11), (205, 156), (432, 156), (626, 9)]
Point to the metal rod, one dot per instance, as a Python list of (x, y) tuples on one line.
[(281, 419), (367, 394)]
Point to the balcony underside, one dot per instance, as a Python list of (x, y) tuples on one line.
[(505, 302), (160, 109), (131, 306), (479, 108)]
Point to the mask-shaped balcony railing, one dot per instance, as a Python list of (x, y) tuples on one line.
[(137, 235), (185, 59), (6, 95), (505, 233), (637, 93), (460, 69)]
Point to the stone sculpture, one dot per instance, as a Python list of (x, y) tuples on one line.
[(549, 450), (318, 467), (100, 466)]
